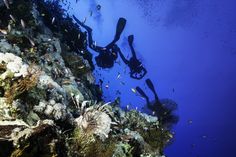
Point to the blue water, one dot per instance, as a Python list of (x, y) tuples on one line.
[(189, 50)]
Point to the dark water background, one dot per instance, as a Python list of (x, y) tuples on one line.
[(189, 49)]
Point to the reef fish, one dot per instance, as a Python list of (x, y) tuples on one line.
[(6, 2), (12, 17), (118, 76), (53, 20), (3, 31), (133, 90), (22, 23), (107, 86)]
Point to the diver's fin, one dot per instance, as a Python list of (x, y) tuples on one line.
[(119, 29), (141, 92), (151, 86), (82, 24), (130, 39)]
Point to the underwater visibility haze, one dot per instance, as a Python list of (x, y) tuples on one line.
[(120, 78)]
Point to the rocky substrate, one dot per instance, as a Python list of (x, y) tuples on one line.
[(49, 102)]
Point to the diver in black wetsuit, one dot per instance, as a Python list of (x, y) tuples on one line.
[(163, 109), (137, 71), (108, 54)]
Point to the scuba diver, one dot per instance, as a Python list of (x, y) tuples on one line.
[(137, 71), (163, 109), (108, 54)]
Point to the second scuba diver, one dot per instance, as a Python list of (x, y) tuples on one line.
[(137, 71), (108, 54)]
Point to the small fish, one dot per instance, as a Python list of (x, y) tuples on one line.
[(31, 41), (81, 67), (118, 76), (12, 17), (53, 20), (204, 136), (79, 36), (6, 2), (76, 1), (190, 121), (107, 86), (142, 98), (9, 28), (42, 14), (3, 31), (22, 23), (127, 107), (133, 90), (122, 83), (173, 90), (91, 13), (136, 108), (85, 19), (153, 113)]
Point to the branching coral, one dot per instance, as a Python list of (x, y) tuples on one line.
[(15, 76)]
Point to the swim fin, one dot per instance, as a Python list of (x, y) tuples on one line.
[(141, 92), (130, 39), (119, 29), (151, 86)]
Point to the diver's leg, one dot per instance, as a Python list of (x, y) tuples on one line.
[(121, 55), (130, 40), (90, 38), (151, 86), (119, 29), (141, 92)]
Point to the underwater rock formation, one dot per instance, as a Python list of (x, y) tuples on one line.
[(49, 102)]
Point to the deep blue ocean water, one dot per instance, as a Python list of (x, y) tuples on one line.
[(189, 50)]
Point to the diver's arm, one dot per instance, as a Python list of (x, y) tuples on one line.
[(90, 38)]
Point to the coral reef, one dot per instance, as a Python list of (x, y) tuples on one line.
[(49, 102)]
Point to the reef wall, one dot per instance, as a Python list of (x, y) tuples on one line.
[(49, 102)]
